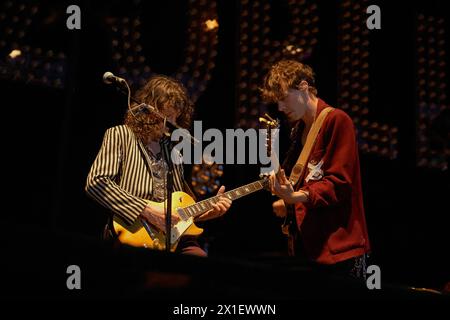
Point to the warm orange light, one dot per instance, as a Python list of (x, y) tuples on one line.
[(211, 24), (15, 53)]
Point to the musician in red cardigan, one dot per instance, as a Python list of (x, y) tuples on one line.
[(329, 216)]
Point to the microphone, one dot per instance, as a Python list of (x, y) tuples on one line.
[(110, 78)]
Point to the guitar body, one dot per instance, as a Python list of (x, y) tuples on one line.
[(140, 235)]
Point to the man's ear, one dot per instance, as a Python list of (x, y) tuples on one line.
[(303, 86)]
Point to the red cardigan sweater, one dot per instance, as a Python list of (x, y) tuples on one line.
[(332, 224)]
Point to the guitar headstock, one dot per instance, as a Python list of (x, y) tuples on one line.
[(272, 130), (269, 124)]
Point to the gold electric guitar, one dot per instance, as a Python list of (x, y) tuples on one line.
[(142, 234)]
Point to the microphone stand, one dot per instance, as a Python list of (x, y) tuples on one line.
[(166, 149)]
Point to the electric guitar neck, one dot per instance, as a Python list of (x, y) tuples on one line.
[(142, 234)]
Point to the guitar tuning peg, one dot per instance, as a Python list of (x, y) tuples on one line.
[(268, 117), (263, 120)]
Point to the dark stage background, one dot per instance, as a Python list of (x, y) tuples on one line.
[(56, 109)]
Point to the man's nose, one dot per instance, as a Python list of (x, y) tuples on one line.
[(280, 106)]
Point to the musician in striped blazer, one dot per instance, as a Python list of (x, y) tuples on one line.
[(129, 169)]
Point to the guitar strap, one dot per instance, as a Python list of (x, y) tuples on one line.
[(297, 172), (299, 167)]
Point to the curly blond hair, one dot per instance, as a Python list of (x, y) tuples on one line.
[(163, 93), (284, 75)]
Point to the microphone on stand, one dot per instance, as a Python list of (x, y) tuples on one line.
[(120, 83), (110, 78)]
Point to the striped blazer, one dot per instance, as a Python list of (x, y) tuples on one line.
[(120, 178)]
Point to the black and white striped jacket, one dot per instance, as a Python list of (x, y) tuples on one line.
[(120, 178)]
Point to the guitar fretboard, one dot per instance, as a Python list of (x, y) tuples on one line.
[(203, 206)]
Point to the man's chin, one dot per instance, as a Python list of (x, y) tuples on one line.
[(291, 119)]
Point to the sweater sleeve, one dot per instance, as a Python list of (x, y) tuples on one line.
[(339, 159), (102, 186)]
